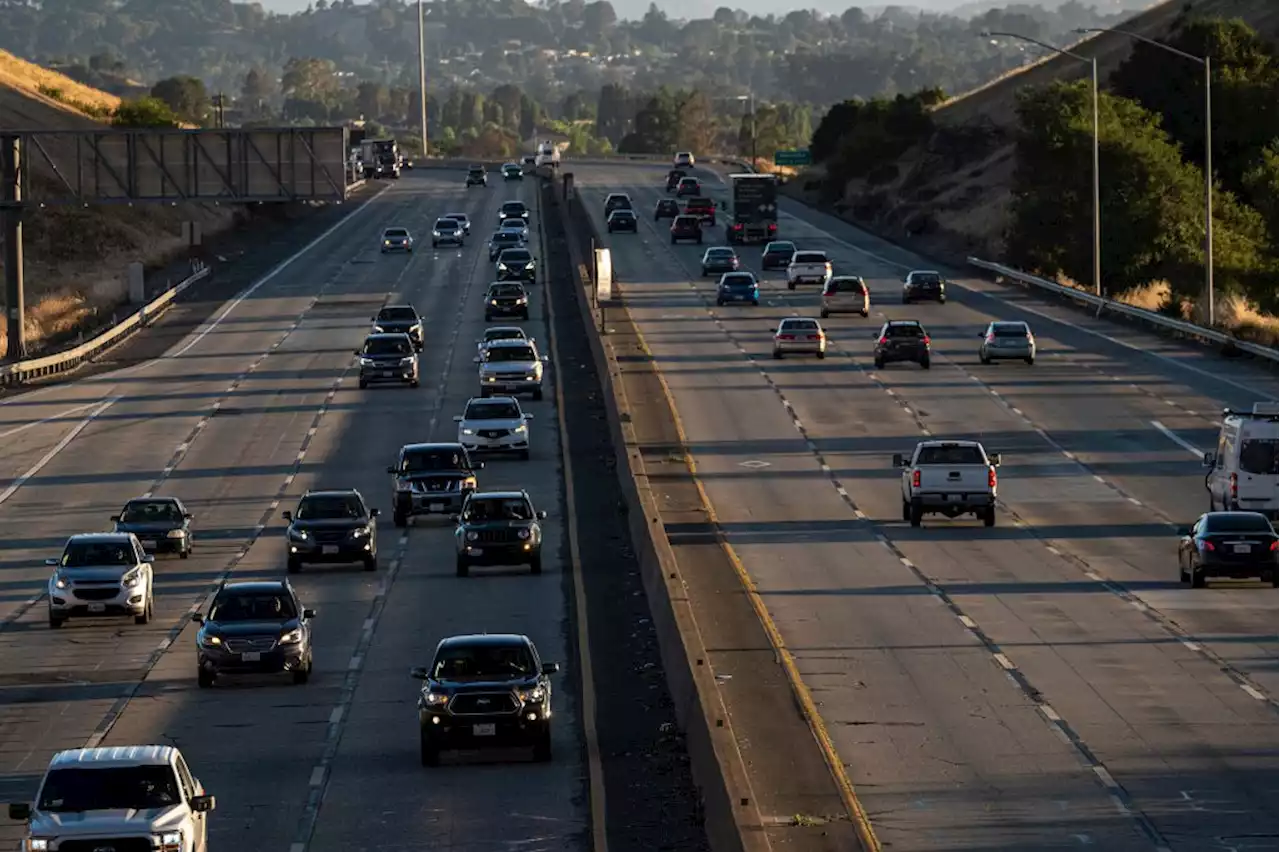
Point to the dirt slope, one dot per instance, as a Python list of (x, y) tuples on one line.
[(951, 195), (72, 281)]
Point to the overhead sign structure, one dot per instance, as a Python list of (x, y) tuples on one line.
[(792, 158), (604, 276)]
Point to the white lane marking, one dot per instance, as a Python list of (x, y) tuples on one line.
[(57, 448), (1253, 693), (51, 418), (1173, 436), (317, 776)]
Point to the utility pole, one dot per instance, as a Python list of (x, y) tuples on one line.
[(422, 75), (11, 210)]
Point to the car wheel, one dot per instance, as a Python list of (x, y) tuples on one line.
[(1182, 572), (699, 240), (399, 519), (821, 355), (906, 511), (673, 241), (1030, 361), (719, 303), (54, 621), (302, 675), (791, 285), (777, 354), (1274, 578), (924, 364), (488, 318), (825, 314), (1197, 578), (147, 612), (185, 553), (983, 359), (364, 383), (865, 314), (428, 752), (879, 362), (524, 316), (413, 383), (537, 394), (916, 516), (205, 678), (535, 564), (484, 393), (905, 300), (462, 567), (989, 517), (942, 300), (370, 563), (294, 566), (524, 455), (542, 748)]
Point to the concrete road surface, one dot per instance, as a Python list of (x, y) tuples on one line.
[(1045, 684), (239, 420)]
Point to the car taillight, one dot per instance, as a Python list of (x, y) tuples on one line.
[(882, 341), (1207, 545), (737, 227), (991, 338), (1275, 545), (828, 266), (1030, 339), (815, 337), (926, 340), (915, 479), (773, 229), (786, 337), (1235, 486), (991, 477)]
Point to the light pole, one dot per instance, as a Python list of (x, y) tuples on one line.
[(1208, 148), (422, 76), (751, 99), (1097, 185)]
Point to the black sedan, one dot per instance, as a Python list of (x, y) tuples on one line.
[(623, 220), (160, 523), (777, 254), (1228, 544)]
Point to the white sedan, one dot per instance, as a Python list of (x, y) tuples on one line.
[(800, 335)]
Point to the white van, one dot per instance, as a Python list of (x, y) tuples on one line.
[(1243, 470)]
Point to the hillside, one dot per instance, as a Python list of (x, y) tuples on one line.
[(950, 196), (78, 282)]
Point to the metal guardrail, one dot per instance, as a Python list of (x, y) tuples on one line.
[(60, 362), (1187, 329)]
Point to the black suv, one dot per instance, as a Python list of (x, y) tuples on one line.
[(616, 201), (902, 340), (506, 299), (486, 690), (685, 227), (623, 220), (512, 171), (516, 264), (431, 479), (666, 208), (498, 528), (160, 523), (513, 210), (777, 254), (254, 628), (331, 527), (674, 177), (924, 285), (476, 176), (400, 319), (388, 358)]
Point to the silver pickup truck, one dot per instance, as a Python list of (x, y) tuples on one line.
[(808, 266), (951, 478)]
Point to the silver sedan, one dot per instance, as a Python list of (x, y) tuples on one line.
[(1007, 341)]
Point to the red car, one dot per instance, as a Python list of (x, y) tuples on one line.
[(703, 208)]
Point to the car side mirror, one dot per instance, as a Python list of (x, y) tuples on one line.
[(197, 617), (288, 516), (355, 351), (115, 519), (1184, 530), (1209, 459), (457, 418), (544, 359), (20, 811), (187, 516), (475, 360), (453, 519), (373, 513), (898, 460), (542, 515), (308, 613), (52, 561), (995, 459), (982, 334), (203, 804), (550, 668), (391, 469), (149, 558), (418, 673), (528, 416), (477, 465)]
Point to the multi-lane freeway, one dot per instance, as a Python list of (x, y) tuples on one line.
[(238, 419), (1043, 684)]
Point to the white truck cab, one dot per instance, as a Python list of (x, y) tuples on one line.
[(122, 797), (1243, 468)]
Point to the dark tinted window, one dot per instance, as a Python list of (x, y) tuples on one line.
[(1259, 456), (810, 257), (845, 285), (492, 410), (421, 461), (1236, 522), (447, 225), (950, 455), (397, 232), (720, 252), (483, 661), (800, 325), (398, 314), (83, 554), (495, 509), (622, 214), (780, 248), (925, 279), (1010, 329), (507, 237), (329, 507), (513, 209), (124, 788), (511, 353), (506, 291), (739, 280), (387, 346), (515, 223), (517, 256), (687, 222), (668, 204), (904, 331), (252, 606), (151, 512)]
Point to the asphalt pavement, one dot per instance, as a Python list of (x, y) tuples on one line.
[(1043, 684), (239, 419)]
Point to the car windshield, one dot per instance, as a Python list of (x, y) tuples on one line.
[(122, 788), (252, 606), (780, 248), (428, 460), (904, 331), (950, 455), (688, 182), (387, 346), (515, 211), (1259, 456), (447, 225), (498, 509), (397, 315), (457, 217), (506, 237), (492, 410), (699, 203), (511, 353), (476, 170), (483, 662), (83, 554), (329, 508), (810, 257), (396, 232), (151, 512), (515, 223), (1236, 522), (800, 325), (508, 291), (503, 334), (516, 256), (687, 222), (1010, 330)]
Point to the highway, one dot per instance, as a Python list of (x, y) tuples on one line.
[(1046, 684), (238, 420)]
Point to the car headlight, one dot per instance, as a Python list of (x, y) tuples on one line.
[(493, 301), (435, 233), (406, 361), (523, 300), (359, 532), (366, 362), (529, 265), (415, 328), (532, 695), (521, 429), (131, 579), (522, 535), (469, 482), (60, 582), (377, 329), (300, 535), (171, 841), (176, 534), (38, 844), (210, 641), (473, 536), (434, 699), (292, 637), (502, 267), (468, 431), (386, 242)]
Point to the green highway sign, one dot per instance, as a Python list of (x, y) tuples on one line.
[(792, 158)]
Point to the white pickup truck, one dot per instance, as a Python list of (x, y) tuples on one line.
[(808, 266), (949, 478)]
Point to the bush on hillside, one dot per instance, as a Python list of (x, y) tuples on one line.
[(144, 112)]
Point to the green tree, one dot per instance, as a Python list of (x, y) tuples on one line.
[(144, 112), (309, 79), (255, 91), (696, 129), (372, 100), (186, 96)]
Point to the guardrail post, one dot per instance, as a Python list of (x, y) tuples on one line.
[(11, 202)]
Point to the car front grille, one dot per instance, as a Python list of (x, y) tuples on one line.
[(97, 594), (261, 644), (434, 486), (482, 703), (329, 535), (497, 536), (107, 844), (494, 433)]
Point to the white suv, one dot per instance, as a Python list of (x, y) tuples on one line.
[(495, 425), (123, 797), (101, 574)]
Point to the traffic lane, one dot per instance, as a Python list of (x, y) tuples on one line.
[(375, 778), (838, 597)]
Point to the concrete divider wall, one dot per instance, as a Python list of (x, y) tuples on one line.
[(731, 818)]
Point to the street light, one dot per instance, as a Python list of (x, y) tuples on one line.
[(422, 76), (1208, 148), (1097, 194)]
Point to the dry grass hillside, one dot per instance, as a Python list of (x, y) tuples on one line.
[(951, 194), (76, 257)]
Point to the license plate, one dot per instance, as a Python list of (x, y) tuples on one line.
[(484, 730), (1243, 548), (435, 507), (329, 549), (97, 607), (953, 498), (251, 656), (386, 374)]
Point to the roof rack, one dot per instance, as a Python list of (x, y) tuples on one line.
[(1260, 411)]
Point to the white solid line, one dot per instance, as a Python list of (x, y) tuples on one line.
[(1050, 713), (57, 448), (1191, 646), (52, 417), (317, 776), (355, 663), (1169, 433), (1253, 693), (1005, 662), (1105, 776), (336, 716), (968, 622)]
